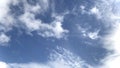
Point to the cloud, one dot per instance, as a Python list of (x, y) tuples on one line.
[(27, 65), (88, 34), (3, 8), (4, 39), (89, 11), (3, 65), (65, 59), (28, 21), (5, 19), (82, 8), (59, 58), (94, 35), (95, 11), (109, 12), (54, 29), (112, 43), (111, 40)]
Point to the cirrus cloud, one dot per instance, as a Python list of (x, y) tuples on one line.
[(59, 58)]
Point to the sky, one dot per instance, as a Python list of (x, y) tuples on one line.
[(59, 34)]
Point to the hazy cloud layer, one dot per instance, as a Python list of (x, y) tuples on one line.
[(112, 44)]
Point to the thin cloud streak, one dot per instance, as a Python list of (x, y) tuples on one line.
[(59, 58)]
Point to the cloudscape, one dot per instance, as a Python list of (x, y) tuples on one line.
[(59, 34)]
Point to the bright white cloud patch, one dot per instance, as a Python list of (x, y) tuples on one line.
[(4, 39), (60, 58), (3, 8), (86, 33), (3, 65), (5, 19), (95, 11), (93, 35)]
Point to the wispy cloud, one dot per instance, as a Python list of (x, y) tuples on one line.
[(112, 43), (111, 40), (59, 58)]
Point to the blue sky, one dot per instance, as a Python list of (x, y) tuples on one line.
[(59, 34)]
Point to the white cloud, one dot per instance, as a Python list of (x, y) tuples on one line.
[(92, 11), (94, 35), (54, 29), (95, 11), (28, 20), (3, 8), (5, 19), (3, 65), (111, 62), (112, 40), (60, 58), (27, 65), (4, 39), (87, 34), (82, 8), (112, 44)]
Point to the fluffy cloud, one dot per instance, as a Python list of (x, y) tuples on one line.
[(95, 11), (60, 58), (3, 65), (6, 20), (94, 35), (3, 8), (28, 20), (87, 34), (54, 29), (4, 39)]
